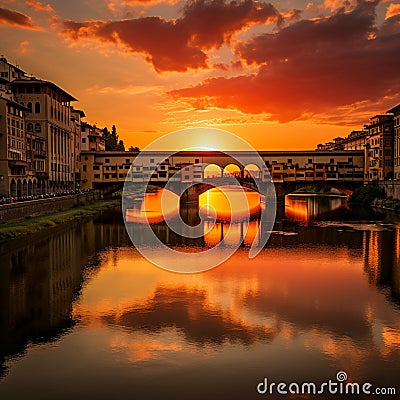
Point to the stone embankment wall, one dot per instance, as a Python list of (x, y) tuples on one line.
[(392, 188), (18, 211)]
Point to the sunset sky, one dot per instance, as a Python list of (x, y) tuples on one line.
[(283, 75)]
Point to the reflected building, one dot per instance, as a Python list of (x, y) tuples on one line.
[(40, 276), (380, 261), (305, 208)]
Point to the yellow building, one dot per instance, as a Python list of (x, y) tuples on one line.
[(49, 117), (396, 140), (379, 148)]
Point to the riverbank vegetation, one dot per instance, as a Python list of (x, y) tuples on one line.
[(388, 204), (366, 195), (35, 224)]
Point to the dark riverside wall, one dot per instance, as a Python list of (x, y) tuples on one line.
[(392, 188), (18, 211)]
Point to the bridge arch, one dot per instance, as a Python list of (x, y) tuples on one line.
[(212, 171), (13, 188), (252, 171), (232, 170), (19, 188)]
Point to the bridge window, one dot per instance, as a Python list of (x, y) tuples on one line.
[(197, 160), (107, 160), (332, 161), (290, 160)]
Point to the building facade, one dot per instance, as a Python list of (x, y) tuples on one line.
[(48, 116), (92, 138), (396, 140), (379, 148), (16, 177)]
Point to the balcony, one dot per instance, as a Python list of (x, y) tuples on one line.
[(39, 153), (17, 163)]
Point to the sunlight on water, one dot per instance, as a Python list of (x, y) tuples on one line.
[(230, 203)]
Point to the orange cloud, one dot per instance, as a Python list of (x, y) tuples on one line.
[(181, 44), (310, 67), (11, 17), (24, 47), (392, 10), (38, 6)]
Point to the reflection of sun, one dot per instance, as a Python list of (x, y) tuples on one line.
[(229, 202)]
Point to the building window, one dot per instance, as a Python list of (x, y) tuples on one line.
[(83, 140), (187, 177), (332, 161), (107, 160), (127, 161), (96, 168), (37, 108), (290, 161), (29, 106), (84, 167), (97, 176), (310, 160), (30, 127), (197, 160), (151, 160), (38, 128)]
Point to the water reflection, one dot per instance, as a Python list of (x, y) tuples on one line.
[(229, 203), (320, 300), (40, 276), (305, 208)]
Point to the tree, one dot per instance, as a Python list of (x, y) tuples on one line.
[(134, 149), (111, 138)]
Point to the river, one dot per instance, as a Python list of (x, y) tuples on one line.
[(85, 316)]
